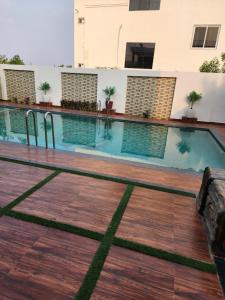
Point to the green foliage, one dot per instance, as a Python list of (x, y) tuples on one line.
[(3, 59), (214, 65), (109, 91), (79, 105), (61, 66), (146, 114), (223, 61), (45, 87), (16, 60), (193, 97)]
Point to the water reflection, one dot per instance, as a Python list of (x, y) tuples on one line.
[(144, 139)]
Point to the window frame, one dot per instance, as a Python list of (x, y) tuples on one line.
[(133, 10), (207, 26)]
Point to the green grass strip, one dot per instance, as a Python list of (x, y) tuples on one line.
[(96, 266), (29, 192), (152, 186), (55, 224), (169, 256)]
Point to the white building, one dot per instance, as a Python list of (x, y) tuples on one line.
[(154, 34)]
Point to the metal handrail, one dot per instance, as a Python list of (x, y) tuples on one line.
[(99, 106), (48, 113), (27, 127)]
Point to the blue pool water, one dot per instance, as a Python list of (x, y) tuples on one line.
[(139, 142)]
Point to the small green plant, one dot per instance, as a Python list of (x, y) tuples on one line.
[(193, 97), (146, 114), (109, 92), (44, 87)]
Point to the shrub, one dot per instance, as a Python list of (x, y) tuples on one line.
[(79, 105)]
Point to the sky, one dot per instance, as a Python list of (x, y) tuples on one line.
[(40, 31)]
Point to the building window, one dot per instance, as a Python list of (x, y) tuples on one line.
[(205, 37), (144, 4), (139, 55)]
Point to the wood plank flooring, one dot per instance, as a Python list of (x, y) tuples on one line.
[(15, 179), (164, 221), (150, 174), (130, 275), (82, 201), (39, 263)]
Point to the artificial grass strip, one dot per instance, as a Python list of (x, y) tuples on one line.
[(169, 256), (152, 186), (29, 192), (96, 266), (55, 224)]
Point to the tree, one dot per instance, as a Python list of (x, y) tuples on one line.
[(213, 66), (16, 60), (3, 59)]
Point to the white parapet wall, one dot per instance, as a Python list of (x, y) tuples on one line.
[(212, 87)]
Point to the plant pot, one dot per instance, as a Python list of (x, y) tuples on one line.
[(45, 98), (190, 113)]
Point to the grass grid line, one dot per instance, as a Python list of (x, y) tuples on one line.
[(96, 266), (54, 224)]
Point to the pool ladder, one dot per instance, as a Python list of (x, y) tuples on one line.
[(48, 113)]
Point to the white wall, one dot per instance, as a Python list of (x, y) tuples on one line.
[(171, 28), (212, 86)]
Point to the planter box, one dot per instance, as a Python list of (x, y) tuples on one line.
[(189, 120), (46, 104), (111, 111)]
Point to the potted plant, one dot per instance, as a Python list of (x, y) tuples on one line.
[(45, 87), (192, 98), (109, 92)]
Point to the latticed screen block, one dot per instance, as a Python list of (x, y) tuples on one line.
[(79, 87), (20, 84), (151, 94)]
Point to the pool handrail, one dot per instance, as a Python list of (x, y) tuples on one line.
[(30, 111), (48, 113)]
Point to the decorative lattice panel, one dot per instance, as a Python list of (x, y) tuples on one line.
[(152, 94), (79, 131), (145, 140), (20, 84), (79, 87)]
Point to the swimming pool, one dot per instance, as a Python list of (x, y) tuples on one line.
[(180, 148)]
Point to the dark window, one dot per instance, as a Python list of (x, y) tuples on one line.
[(139, 55), (144, 4), (205, 37)]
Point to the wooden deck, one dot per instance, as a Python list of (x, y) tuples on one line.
[(15, 179), (41, 263), (164, 221), (131, 275), (38, 262), (85, 202)]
